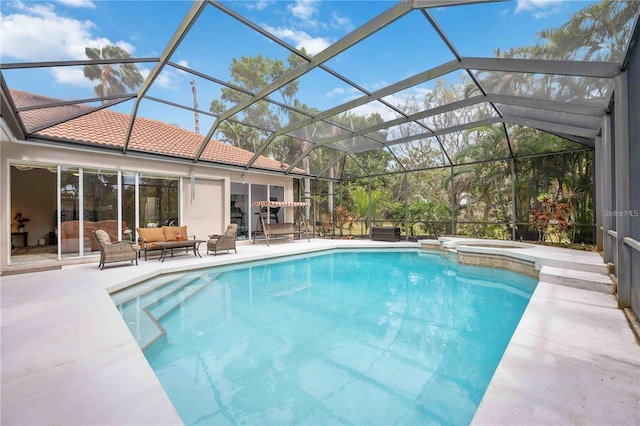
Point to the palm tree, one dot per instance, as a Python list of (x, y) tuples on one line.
[(112, 80), (598, 32), (360, 208), (236, 134)]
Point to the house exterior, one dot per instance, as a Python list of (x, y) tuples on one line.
[(66, 189)]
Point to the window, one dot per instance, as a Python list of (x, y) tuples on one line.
[(159, 201)]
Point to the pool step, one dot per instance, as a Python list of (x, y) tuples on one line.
[(157, 303), (569, 262), (171, 300), (139, 290), (167, 302), (579, 279)]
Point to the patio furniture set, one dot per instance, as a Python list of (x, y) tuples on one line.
[(168, 239)]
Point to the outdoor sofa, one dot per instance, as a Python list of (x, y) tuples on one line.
[(147, 237)]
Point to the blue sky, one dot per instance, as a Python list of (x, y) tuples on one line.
[(60, 30)]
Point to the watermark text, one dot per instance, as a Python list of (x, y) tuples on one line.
[(621, 213)]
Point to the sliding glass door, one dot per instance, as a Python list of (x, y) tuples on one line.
[(55, 210), (240, 208), (69, 231)]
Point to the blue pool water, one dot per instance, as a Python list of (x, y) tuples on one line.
[(343, 337)]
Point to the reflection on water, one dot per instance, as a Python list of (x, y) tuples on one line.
[(350, 337)]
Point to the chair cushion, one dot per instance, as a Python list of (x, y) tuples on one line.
[(111, 226), (172, 232), (232, 230), (102, 237), (151, 234)]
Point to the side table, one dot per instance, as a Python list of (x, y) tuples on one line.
[(24, 235)]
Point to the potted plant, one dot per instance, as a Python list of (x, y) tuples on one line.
[(21, 220)]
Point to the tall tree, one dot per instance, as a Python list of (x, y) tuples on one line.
[(112, 79), (261, 119), (249, 75), (599, 32)]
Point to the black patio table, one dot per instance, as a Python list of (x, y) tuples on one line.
[(170, 245)]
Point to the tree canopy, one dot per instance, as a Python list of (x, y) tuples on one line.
[(487, 174), (112, 80)]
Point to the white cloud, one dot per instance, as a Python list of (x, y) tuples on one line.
[(170, 78), (348, 93), (258, 5), (409, 101), (338, 91), (538, 8), (375, 108), (73, 76), (304, 10), (166, 79), (529, 5), (301, 39), (78, 3), (37, 33), (341, 22)]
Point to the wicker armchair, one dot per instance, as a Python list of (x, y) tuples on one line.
[(114, 252), (225, 241)]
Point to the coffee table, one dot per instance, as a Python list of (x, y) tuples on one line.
[(168, 246)]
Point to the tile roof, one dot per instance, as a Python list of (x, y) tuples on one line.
[(103, 127)]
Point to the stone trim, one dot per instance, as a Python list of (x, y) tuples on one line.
[(496, 261)]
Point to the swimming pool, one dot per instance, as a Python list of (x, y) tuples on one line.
[(340, 337)]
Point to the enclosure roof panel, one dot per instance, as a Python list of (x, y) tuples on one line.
[(310, 88)]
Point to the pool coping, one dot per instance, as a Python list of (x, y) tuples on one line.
[(63, 336)]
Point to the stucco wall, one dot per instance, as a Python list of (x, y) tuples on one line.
[(16, 152)]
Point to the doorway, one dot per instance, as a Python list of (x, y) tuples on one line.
[(33, 214)]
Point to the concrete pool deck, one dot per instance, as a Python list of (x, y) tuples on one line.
[(68, 357)]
